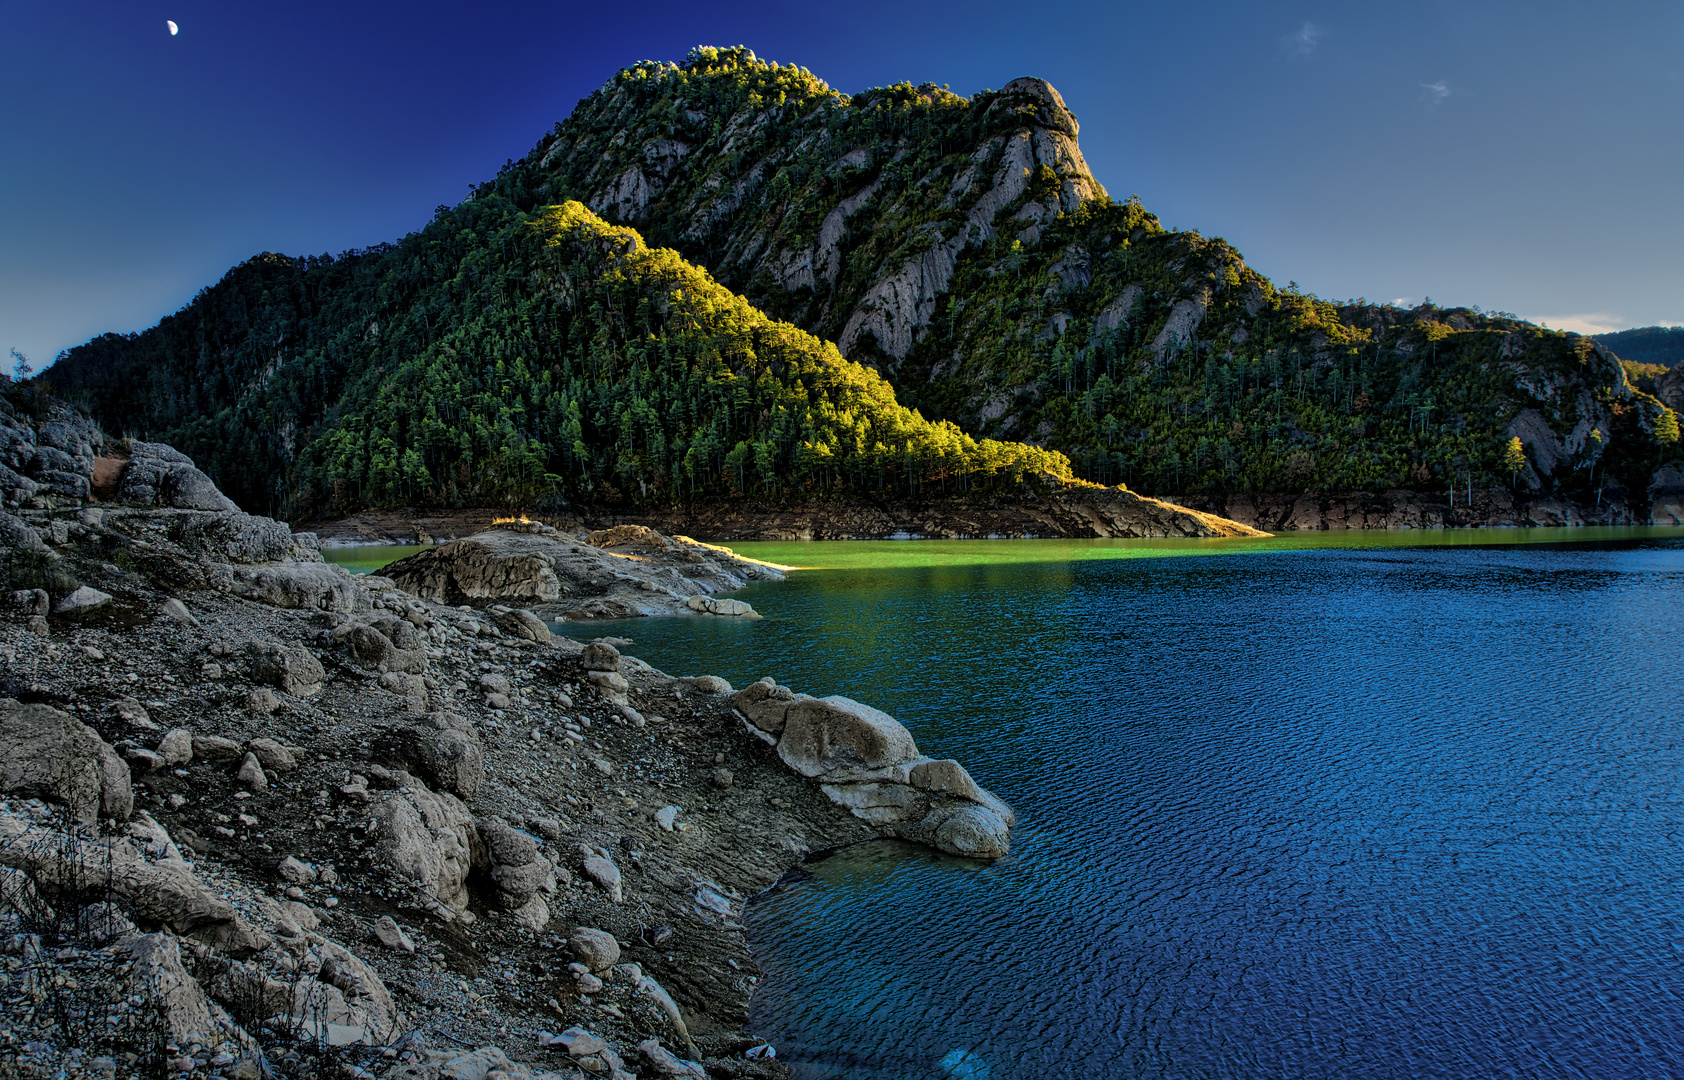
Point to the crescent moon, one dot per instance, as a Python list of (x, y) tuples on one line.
[(174, 29)]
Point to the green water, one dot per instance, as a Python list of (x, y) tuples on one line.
[(890, 554), (367, 558)]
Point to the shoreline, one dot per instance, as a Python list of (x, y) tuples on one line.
[(1067, 515), (318, 797)]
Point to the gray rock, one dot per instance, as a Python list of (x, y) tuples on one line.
[(47, 754), (609, 680), (946, 777), (534, 915), (765, 704), (262, 700), (880, 804), (506, 845), (33, 601), (968, 829), (427, 839), (177, 612), (600, 656), (176, 747), (272, 755), (391, 935), (454, 761), (665, 1063), (522, 624), (251, 774), (517, 885), (718, 605), (158, 974), (286, 667), (493, 683), (143, 759), (711, 684), (823, 734), (38, 626), (296, 872), (596, 949), (159, 475), (605, 874), (81, 601), (215, 748), (384, 642), (296, 586)]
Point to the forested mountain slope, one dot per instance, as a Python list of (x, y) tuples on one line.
[(1663, 345), (959, 246), (539, 360)]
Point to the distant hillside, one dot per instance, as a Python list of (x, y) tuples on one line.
[(959, 247), (1663, 345)]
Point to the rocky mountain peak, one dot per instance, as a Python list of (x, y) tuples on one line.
[(1050, 110)]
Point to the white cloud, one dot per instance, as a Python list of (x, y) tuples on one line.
[(1435, 93), (1593, 322), (1303, 41)]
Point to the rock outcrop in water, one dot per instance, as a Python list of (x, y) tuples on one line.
[(612, 573), (259, 817), (866, 761)]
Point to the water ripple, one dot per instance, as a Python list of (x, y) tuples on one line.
[(1397, 813)]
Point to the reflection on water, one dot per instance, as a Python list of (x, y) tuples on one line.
[(1355, 811)]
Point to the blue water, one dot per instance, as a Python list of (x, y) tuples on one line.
[(1348, 813)]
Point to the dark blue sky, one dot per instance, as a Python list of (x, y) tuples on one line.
[(1526, 157)]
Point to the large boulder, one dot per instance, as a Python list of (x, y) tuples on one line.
[(427, 838), (47, 754), (822, 735), (977, 832), (491, 566), (308, 586), (517, 870), (384, 642), (765, 704), (160, 475), (158, 974), (288, 668)]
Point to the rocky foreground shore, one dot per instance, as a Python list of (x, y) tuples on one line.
[(259, 817)]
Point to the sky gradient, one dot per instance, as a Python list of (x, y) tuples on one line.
[(1525, 157)]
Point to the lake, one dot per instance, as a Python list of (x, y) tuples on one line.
[(1337, 805)]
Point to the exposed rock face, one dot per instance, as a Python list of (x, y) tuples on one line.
[(53, 457), (614, 573), (1074, 510), (47, 754), (1492, 508), (866, 761), (1666, 494)]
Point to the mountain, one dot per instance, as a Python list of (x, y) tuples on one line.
[(1663, 345), (958, 252)]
